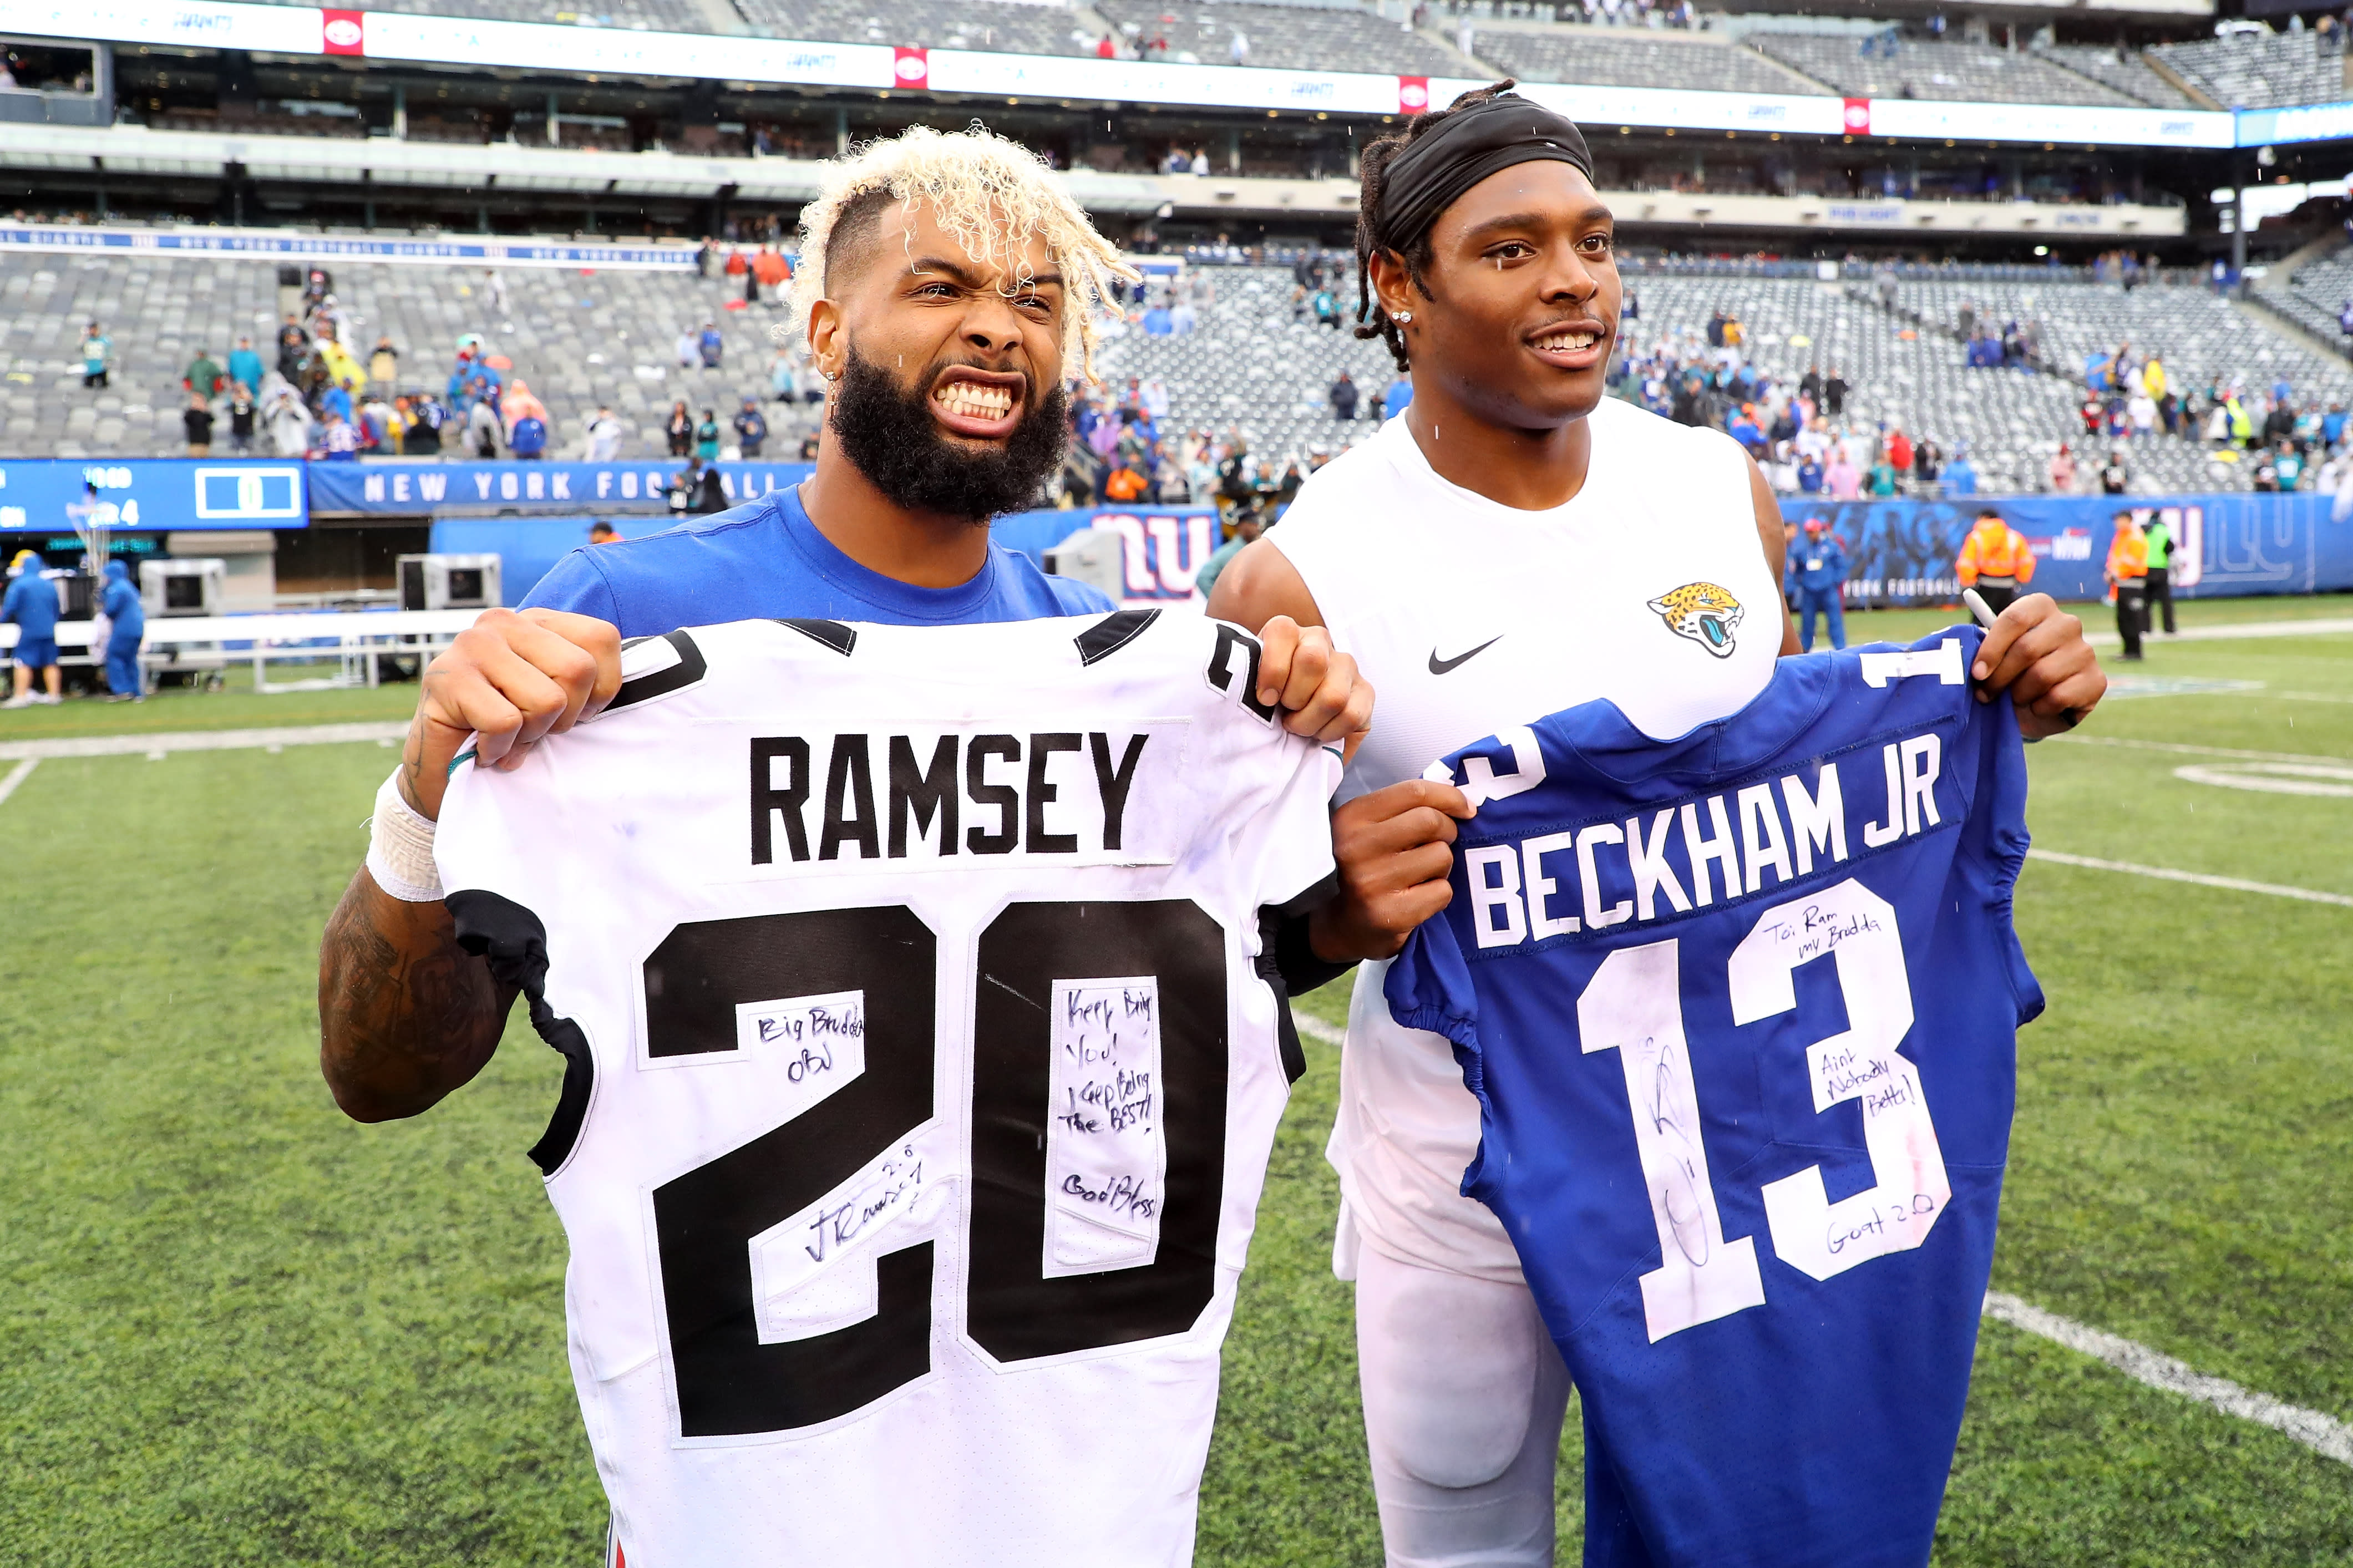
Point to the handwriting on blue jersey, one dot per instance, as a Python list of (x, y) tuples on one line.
[(1739, 1009)]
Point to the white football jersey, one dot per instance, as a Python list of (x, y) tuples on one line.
[(922, 1076), (1650, 588)]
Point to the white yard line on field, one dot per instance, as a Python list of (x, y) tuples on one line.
[(2167, 874), (1317, 1029), (157, 746), (2322, 1433), (2233, 630), (2181, 748), (17, 775)]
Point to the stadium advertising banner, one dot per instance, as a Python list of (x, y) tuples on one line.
[(1902, 551), (179, 494), (278, 245), (621, 51), (2304, 122), (1795, 114), (1165, 547), (417, 490), (1920, 120)]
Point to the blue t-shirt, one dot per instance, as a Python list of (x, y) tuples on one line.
[(767, 560), (32, 603), (1739, 1010)]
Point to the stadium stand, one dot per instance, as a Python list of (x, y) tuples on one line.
[(989, 24), (1791, 324), (1287, 37), (1608, 58), (578, 340), (2120, 68), (2259, 70), (1252, 364), (646, 15), (1962, 72), (2315, 294), (2204, 341)]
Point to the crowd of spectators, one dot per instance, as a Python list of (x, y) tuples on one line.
[(2131, 397), (1800, 432), (320, 394), (1677, 14)]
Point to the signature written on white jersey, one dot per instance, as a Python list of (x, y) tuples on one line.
[(1749, 840), (1081, 796)]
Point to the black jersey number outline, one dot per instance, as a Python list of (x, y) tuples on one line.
[(730, 1384)]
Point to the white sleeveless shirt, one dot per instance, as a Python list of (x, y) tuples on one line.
[(1650, 589)]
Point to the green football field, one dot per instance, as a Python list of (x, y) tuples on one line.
[(236, 1328)]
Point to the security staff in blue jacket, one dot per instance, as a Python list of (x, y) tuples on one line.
[(121, 606), (1818, 566), (31, 604)]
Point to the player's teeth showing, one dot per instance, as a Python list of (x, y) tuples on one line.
[(976, 402)]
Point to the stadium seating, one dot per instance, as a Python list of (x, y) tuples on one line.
[(1914, 382), (1288, 37), (2259, 70), (1610, 56), (2128, 72), (1968, 73), (2316, 292), (1252, 365), (2201, 339), (654, 15), (563, 330), (989, 24)]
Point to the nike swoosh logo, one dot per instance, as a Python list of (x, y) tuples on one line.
[(1440, 666)]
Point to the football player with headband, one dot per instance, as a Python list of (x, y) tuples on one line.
[(947, 287), (1512, 545)]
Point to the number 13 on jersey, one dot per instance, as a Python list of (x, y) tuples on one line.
[(1633, 1006)]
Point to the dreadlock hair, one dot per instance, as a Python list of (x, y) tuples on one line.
[(988, 193), (1372, 164)]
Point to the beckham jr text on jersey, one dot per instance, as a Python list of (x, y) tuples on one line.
[(921, 1074), (1740, 1011)]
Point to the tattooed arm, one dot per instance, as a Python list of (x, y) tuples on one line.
[(406, 1015)]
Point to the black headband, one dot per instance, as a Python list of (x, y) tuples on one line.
[(1463, 149)]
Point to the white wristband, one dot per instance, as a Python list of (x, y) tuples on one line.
[(400, 847)]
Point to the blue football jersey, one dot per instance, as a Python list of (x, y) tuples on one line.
[(1740, 1011)]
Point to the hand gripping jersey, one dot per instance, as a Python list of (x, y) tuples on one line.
[(1740, 1011), (922, 1072)]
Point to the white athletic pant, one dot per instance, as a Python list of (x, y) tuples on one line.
[(1464, 1395)]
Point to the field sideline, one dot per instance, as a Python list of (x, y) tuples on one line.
[(236, 1329)]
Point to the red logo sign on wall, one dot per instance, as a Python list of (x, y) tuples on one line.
[(1413, 95), (1858, 117), (343, 32), (911, 68)]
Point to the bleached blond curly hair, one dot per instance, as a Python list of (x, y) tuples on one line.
[(991, 194)]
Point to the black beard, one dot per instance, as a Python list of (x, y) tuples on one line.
[(890, 436)]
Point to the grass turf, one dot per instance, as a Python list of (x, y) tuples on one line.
[(235, 1328)]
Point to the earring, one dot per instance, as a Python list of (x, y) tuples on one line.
[(1405, 318)]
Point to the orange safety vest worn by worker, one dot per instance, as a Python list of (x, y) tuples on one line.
[(2128, 556), (1995, 553)]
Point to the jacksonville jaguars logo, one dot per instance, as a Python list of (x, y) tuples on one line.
[(1704, 613)]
